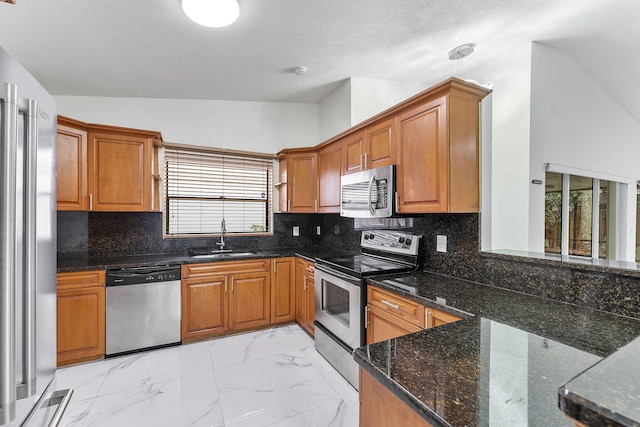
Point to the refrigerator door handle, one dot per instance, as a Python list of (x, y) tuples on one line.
[(30, 109), (8, 160)]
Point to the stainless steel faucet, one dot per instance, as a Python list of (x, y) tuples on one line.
[(223, 230)]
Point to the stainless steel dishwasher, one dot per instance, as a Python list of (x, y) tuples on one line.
[(143, 308)]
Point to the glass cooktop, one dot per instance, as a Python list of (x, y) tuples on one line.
[(363, 265)]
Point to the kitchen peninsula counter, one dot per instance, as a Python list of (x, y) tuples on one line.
[(505, 361)]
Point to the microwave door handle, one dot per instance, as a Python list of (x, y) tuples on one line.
[(372, 204), (8, 157)]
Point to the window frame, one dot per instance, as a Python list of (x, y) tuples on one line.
[(621, 183), (221, 152)]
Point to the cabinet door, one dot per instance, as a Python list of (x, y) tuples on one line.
[(353, 157), (80, 316), (119, 172), (71, 169), (329, 169), (380, 144), (379, 407), (305, 309), (382, 326), (310, 300), (422, 169), (437, 318), (204, 307), (301, 170), (249, 300), (283, 293)]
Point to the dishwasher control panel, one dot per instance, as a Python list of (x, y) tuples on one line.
[(139, 275)]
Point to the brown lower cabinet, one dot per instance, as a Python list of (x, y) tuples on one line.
[(390, 315), (283, 292), (381, 408), (80, 317), (382, 326), (305, 308), (221, 297)]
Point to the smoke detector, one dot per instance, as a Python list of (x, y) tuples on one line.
[(298, 71)]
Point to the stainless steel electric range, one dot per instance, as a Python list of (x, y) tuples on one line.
[(340, 293)]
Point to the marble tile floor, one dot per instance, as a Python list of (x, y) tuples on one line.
[(272, 377)]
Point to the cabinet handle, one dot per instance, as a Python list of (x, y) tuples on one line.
[(397, 201), (274, 266), (427, 317), (90, 202), (225, 285), (231, 283), (361, 166), (315, 205), (366, 160), (305, 282), (385, 302), (366, 316), (288, 205)]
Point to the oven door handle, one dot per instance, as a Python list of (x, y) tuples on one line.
[(326, 270)]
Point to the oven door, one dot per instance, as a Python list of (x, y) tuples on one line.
[(338, 305)]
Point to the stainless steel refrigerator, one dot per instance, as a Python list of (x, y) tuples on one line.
[(27, 251)]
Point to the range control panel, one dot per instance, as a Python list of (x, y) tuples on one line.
[(391, 241)]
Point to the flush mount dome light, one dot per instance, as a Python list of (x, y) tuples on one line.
[(212, 13)]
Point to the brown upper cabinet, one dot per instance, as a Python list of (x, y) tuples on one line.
[(370, 148), (438, 151), (71, 155), (329, 171), (107, 168), (433, 139), (299, 181)]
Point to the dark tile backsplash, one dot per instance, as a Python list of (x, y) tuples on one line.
[(101, 234)]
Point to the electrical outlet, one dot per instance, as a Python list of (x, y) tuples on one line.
[(296, 230), (441, 243), (318, 230)]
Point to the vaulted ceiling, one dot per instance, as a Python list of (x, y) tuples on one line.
[(149, 48)]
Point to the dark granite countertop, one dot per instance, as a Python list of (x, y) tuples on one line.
[(72, 263), (505, 361)]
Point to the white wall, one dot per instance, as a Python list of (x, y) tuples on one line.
[(335, 111), (576, 123), (509, 163), (358, 99), (250, 126), (372, 96)]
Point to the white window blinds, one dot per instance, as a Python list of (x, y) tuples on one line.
[(203, 186)]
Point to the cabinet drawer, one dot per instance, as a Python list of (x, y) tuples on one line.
[(226, 267), (404, 308), (81, 279)]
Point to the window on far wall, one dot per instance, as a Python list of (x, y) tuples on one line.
[(578, 213), (203, 186)]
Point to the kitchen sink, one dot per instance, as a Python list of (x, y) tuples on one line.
[(225, 254)]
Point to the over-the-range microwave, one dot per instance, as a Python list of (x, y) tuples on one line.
[(368, 194)]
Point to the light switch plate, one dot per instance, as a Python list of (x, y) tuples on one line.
[(318, 230), (441, 243), (296, 230)]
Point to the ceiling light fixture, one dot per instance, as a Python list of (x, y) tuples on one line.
[(457, 55), (212, 13)]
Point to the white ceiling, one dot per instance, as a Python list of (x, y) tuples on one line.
[(150, 49)]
